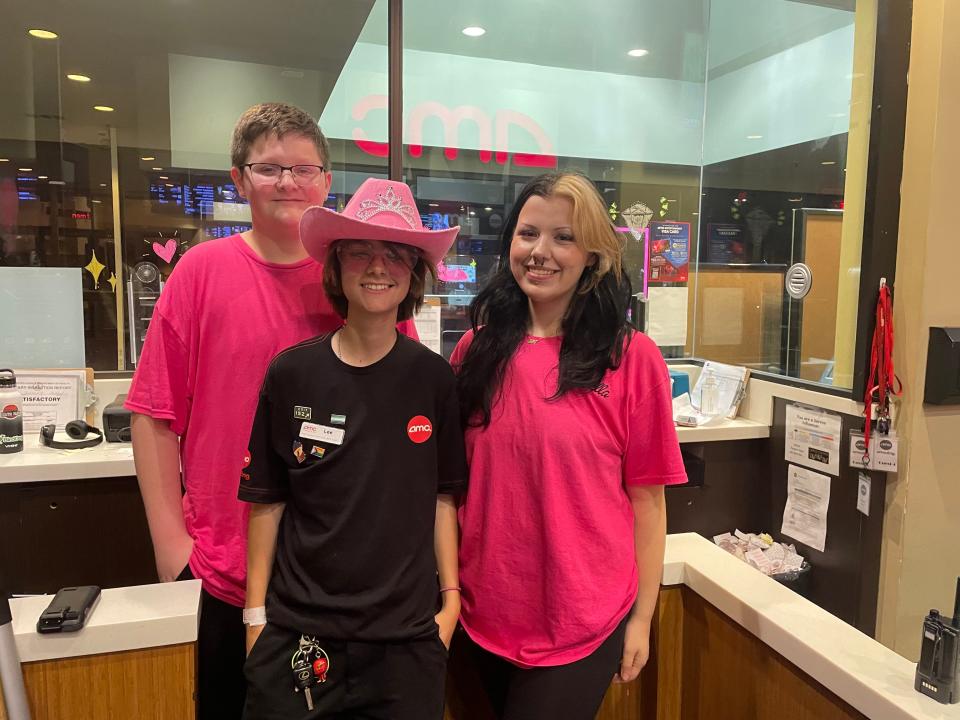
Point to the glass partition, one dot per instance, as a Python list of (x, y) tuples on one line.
[(115, 126), (729, 139)]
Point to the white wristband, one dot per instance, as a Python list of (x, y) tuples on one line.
[(255, 616)]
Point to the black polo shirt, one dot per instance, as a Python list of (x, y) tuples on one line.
[(359, 455)]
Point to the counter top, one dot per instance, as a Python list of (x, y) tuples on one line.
[(42, 464), (130, 618), (855, 667), (736, 429)]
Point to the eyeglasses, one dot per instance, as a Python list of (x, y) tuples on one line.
[(272, 173), (356, 256)]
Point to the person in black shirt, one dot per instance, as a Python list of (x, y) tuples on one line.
[(354, 460)]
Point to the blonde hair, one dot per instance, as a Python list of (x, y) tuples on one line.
[(593, 230)]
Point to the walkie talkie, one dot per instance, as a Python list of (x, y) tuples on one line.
[(937, 671)]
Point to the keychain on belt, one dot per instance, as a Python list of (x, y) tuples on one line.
[(310, 664)]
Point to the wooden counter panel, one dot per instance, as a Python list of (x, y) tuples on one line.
[(154, 684), (728, 674)]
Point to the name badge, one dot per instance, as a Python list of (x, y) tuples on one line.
[(322, 433)]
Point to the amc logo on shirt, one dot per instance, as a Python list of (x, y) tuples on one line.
[(419, 429)]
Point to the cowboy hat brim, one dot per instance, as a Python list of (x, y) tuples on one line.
[(320, 227)]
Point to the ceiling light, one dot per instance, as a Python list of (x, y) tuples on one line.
[(43, 34), (78, 78), (754, 137), (42, 177), (473, 31), (96, 201), (488, 209), (638, 52), (25, 169), (434, 204), (103, 108), (163, 177), (157, 169), (472, 212), (103, 184), (829, 162), (148, 158), (169, 184), (4, 159), (57, 182)]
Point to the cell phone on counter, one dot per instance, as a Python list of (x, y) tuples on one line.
[(69, 609)]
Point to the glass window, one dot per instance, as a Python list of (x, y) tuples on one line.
[(788, 101), (116, 163), (728, 137), (497, 93)]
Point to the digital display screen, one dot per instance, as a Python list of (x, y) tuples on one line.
[(194, 199)]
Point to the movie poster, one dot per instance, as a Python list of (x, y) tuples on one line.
[(669, 252)]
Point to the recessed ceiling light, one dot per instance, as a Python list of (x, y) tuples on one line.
[(472, 212), (96, 201), (434, 204), (473, 31), (4, 159), (103, 184), (829, 162), (77, 78), (43, 34), (169, 184), (157, 169), (488, 209), (148, 158), (638, 52), (163, 177), (42, 177), (25, 169), (57, 182), (754, 137), (103, 108)]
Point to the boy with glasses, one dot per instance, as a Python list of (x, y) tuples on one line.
[(227, 309)]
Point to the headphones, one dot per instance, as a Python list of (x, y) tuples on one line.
[(76, 429)]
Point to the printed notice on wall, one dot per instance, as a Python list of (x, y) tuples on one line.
[(813, 438), (427, 322), (808, 500)]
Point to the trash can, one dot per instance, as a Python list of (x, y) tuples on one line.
[(797, 580)]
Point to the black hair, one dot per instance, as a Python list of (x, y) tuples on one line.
[(594, 328)]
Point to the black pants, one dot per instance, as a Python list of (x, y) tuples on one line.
[(572, 692), (369, 681), (221, 648)]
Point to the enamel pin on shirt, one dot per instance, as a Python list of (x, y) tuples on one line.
[(302, 412), (298, 451)]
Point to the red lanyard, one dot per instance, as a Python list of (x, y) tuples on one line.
[(882, 382)]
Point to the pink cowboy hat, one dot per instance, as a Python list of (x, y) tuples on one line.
[(379, 210)]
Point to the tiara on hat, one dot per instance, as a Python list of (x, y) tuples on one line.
[(387, 201)]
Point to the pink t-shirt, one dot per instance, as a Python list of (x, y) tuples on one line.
[(221, 318), (547, 559)]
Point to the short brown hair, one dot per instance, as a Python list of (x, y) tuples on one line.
[(410, 305), (279, 119)]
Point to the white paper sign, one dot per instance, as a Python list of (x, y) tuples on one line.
[(50, 397), (813, 438), (667, 315), (863, 494), (883, 452), (805, 513), (427, 322)]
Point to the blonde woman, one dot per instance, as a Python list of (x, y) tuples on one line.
[(570, 440)]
